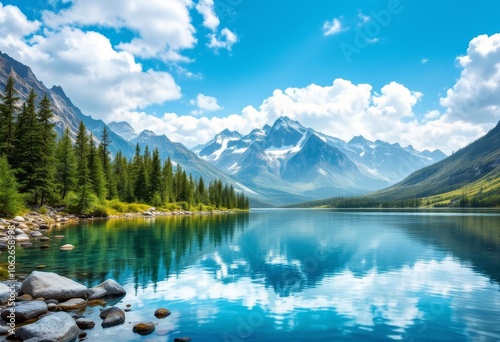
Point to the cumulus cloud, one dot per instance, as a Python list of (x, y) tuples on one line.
[(112, 81), (475, 97), (161, 28), (332, 27), (225, 40), (206, 9), (204, 104)]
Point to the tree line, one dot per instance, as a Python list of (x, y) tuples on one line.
[(38, 168)]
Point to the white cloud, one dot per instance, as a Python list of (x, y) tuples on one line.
[(112, 81), (225, 41), (162, 28), (364, 18), (14, 24), (475, 97), (204, 104), (206, 9), (332, 27), (425, 60)]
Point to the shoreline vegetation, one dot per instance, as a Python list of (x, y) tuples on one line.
[(39, 168)]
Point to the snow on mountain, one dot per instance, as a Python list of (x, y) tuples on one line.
[(287, 158), (123, 129)]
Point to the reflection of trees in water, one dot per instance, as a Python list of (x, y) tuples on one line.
[(144, 251), (472, 239)]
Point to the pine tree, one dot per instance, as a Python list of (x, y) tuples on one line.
[(47, 168), (9, 109), (29, 149), (121, 171), (84, 183), (10, 199), (104, 154), (66, 165), (155, 179), (96, 171), (167, 192)]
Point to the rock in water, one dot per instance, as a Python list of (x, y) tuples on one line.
[(67, 247), (72, 304), (112, 288), (26, 310), (58, 326), (52, 286), (144, 328), (182, 339), (162, 313), (85, 323), (96, 293), (112, 316)]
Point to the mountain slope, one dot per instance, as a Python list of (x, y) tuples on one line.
[(66, 114), (479, 159), (289, 160), (123, 129)]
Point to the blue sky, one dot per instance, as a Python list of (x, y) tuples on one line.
[(190, 68)]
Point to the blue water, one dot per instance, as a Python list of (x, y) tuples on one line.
[(293, 275)]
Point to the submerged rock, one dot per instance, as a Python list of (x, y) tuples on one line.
[(85, 323), (162, 313), (182, 339), (58, 326), (52, 286), (144, 328), (67, 247), (112, 316)]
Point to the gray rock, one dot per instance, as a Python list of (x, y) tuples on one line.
[(26, 310), (4, 330), (112, 316), (22, 238), (5, 291), (52, 307), (72, 304), (52, 286), (18, 231), (36, 234), (112, 288), (85, 323), (96, 293), (144, 328), (58, 326), (44, 239)]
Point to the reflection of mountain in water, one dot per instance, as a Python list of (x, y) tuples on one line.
[(291, 256)]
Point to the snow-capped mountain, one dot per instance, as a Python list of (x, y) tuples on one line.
[(123, 129), (289, 162)]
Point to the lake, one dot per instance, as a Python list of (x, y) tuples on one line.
[(292, 275)]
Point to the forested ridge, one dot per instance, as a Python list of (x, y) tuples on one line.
[(37, 168)]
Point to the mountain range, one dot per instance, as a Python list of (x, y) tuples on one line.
[(279, 164), (288, 162)]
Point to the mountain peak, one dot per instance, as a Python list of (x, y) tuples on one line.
[(358, 140), (123, 129)]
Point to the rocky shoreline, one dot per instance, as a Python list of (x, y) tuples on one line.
[(48, 307)]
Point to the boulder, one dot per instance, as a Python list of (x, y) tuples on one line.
[(144, 328), (112, 288), (85, 323), (96, 293), (26, 310), (4, 330), (72, 304), (52, 286), (5, 291), (19, 219), (112, 316), (162, 313), (57, 326)]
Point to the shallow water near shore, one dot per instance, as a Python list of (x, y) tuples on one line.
[(291, 275)]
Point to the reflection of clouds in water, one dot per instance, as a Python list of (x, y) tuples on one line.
[(391, 297)]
